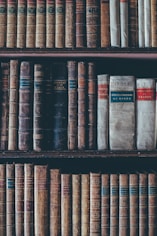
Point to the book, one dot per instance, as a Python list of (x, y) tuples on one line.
[(124, 23), (104, 23), (10, 199), (21, 23), (141, 35), (55, 202), (147, 22), (3, 23), (85, 204), (92, 23), (133, 23), (72, 104), (114, 6), (3, 199), (19, 199), (59, 24), (145, 113), (66, 207), (80, 23), (122, 112), (70, 24), (13, 105), (28, 199), (102, 111), (25, 138), (153, 8), (31, 24), (41, 204), (50, 23)]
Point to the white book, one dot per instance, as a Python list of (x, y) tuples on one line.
[(122, 112), (102, 112), (115, 23), (141, 23), (124, 22), (145, 113), (147, 22)]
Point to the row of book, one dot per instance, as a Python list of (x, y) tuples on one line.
[(36, 200), (70, 24)]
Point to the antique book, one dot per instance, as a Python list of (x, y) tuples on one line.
[(153, 23), (114, 204), (55, 202), (13, 105), (92, 83), (102, 111), (41, 206), (3, 23), (145, 113), (95, 203), (19, 199), (21, 23), (70, 24), (124, 23), (31, 24), (3, 199), (60, 108), (80, 24), (38, 108), (4, 105), (124, 204), (25, 106), (122, 112), (147, 23), (10, 199), (59, 23), (85, 204), (141, 34), (11, 23), (105, 204), (133, 203), (28, 199), (104, 23), (114, 6), (133, 23), (92, 23), (40, 37), (143, 204), (82, 104), (50, 23), (76, 204), (72, 105), (66, 207)]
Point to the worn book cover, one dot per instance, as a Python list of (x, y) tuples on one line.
[(3, 199), (21, 23)]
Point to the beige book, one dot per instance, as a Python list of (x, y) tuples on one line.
[(115, 23), (59, 24), (50, 23), (31, 24), (153, 23), (40, 37), (69, 24), (3, 23), (21, 23)]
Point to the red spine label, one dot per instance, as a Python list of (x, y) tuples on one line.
[(102, 91), (145, 94)]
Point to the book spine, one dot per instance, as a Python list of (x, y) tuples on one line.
[(10, 199), (55, 202), (3, 23), (115, 23), (147, 22), (153, 23), (13, 105), (133, 204), (21, 23), (3, 199), (25, 107), (102, 111), (122, 112), (91, 105), (105, 204), (133, 23), (41, 200), (28, 199), (114, 204), (104, 23), (76, 205), (123, 204), (82, 101), (72, 105), (38, 129), (19, 199), (85, 204), (60, 24), (31, 24), (50, 23), (40, 39), (124, 23), (141, 23), (11, 23), (80, 24), (70, 24), (4, 106), (66, 207), (143, 204), (145, 113), (92, 23)]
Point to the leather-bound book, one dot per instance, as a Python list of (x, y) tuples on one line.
[(59, 23), (3, 199), (70, 24), (21, 23), (80, 24), (3, 23), (50, 23), (105, 23), (31, 24), (133, 23)]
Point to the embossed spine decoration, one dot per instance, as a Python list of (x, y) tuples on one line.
[(40, 39), (60, 24), (31, 24), (70, 24), (50, 23), (105, 23), (3, 23), (3, 199), (21, 23), (80, 24), (133, 23)]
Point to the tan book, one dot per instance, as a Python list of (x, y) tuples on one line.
[(124, 23), (40, 37), (50, 23), (105, 23), (31, 24), (2, 199), (19, 199), (3, 23), (153, 23), (21, 23), (55, 202), (114, 22), (41, 224), (80, 24), (69, 24), (59, 23), (133, 23), (28, 199)]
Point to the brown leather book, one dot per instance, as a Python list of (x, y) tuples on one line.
[(105, 23), (3, 199), (50, 23), (40, 37), (31, 24), (59, 23), (80, 24), (70, 24), (21, 23), (133, 23), (3, 23)]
